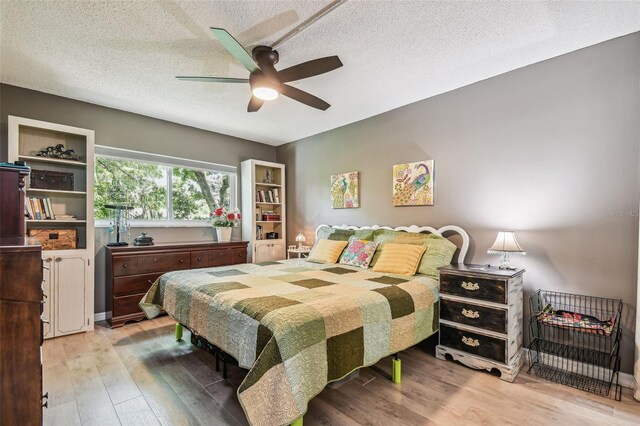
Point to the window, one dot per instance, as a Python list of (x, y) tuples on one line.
[(160, 189)]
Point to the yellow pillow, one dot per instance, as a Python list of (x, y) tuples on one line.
[(326, 251), (401, 259)]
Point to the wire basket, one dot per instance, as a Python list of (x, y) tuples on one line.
[(576, 340)]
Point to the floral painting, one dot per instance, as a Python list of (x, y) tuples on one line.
[(413, 184), (344, 191)]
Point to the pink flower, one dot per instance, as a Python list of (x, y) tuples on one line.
[(231, 216), (219, 212), (362, 256), (356, 246), (238, 216)]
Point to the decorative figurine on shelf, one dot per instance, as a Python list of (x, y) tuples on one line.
[(143, 240), (119, 223), (58, 152), (268, 176)]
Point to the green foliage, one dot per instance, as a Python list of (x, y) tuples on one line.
[(143, 186)]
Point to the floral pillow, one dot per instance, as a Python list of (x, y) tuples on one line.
[(358, 253)]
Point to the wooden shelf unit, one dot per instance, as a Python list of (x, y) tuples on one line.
[(69, 277), (253, 175)]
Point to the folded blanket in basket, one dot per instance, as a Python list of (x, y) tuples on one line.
[(581, 322)]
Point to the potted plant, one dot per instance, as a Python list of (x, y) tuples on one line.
[(224, 221)]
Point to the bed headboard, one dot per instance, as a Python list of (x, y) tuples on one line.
[(456, 230)]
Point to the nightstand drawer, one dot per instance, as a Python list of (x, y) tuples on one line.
[(475, 315), (473, 343), (474, 288)]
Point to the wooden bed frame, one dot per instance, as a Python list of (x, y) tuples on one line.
[(396, 364)]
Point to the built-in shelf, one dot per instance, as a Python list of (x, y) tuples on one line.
[(271, 185), (52, 160), (268, 221), (56, 221), (56, 191), (270, 204)]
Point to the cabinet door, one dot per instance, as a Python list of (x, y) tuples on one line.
[(70, 294), (48, 296), (277, 250), (262, 252)]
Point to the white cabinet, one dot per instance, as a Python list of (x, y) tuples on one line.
[(68, 277), (269, 250), (264, 210), (68, 307)]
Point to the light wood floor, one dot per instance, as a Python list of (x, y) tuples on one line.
[(139, 375)]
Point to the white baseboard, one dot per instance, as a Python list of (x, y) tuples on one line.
[(101, 316)]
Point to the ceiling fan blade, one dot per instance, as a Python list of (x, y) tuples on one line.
[(235, 48), (254, 104), (310, 68), (214, 79), (304, 97)]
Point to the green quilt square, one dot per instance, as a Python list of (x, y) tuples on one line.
[(345, 353), (385, 279), (400, 301), (258, 307), (227, 273), (215, 288), (312, 283), (339, 271)]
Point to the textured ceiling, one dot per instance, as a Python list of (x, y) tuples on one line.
[(125, 54)]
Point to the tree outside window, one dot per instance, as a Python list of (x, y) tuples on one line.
[(159, 192)]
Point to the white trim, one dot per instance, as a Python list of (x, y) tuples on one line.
[(415, 229), (147, 157), (160, 223), (102, 316)]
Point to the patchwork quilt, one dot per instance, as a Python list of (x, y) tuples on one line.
[(297, 325)]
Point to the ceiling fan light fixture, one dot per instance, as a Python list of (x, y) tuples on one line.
[(265, 93)]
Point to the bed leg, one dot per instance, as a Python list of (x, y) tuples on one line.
[(178, 331), (396, 369), (224, 365), (297, 422)]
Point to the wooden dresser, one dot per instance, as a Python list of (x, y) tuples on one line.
[(131, 270), (481, 318), (21, 396)]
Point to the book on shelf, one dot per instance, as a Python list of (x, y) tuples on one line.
[(276, 196), (41, 208)]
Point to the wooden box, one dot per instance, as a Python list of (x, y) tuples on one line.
[(48, 179), (55, 239)]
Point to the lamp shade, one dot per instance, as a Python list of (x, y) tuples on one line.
[(506, 243), (300, 238)]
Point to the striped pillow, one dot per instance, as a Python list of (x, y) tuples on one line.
[(326, 251), (401, 259)]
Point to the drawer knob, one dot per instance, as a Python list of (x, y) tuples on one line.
[(124, 266), (199, 259), (221, 254), (58, 259), (470, 341), (181, 260), (470, 286), (155, 259), (48, 259), (470, 313)]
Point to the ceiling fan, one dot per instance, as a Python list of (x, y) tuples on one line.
[(265, 81)]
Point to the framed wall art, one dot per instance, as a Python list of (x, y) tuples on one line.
[(345, 191), (413, 184)]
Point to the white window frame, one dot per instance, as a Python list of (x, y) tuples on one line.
[(164, 160)]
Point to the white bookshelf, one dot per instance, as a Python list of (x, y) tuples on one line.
[(253, 181), (68, 274)]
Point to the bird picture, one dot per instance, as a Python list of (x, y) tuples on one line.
[(344, 191), (413, 184)]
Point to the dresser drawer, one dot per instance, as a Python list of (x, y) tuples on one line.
[(473, 343), (180, 261), (220, 257), (239, 256), (123, 286), (475, 288), (475, 315), (125, 265), (127, 305), (199, 259), (154, 263)]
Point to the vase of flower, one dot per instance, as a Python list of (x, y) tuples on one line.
[(223, 233), (224, 221)]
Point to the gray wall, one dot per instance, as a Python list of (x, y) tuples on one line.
[(549, 150), (131, 131)]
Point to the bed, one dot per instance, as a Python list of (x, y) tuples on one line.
[(297, 325)]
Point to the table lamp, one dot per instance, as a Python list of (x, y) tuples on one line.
[(506, 245), (300, 239)]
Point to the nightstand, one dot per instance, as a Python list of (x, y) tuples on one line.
[(302, 251), (481, 318)]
